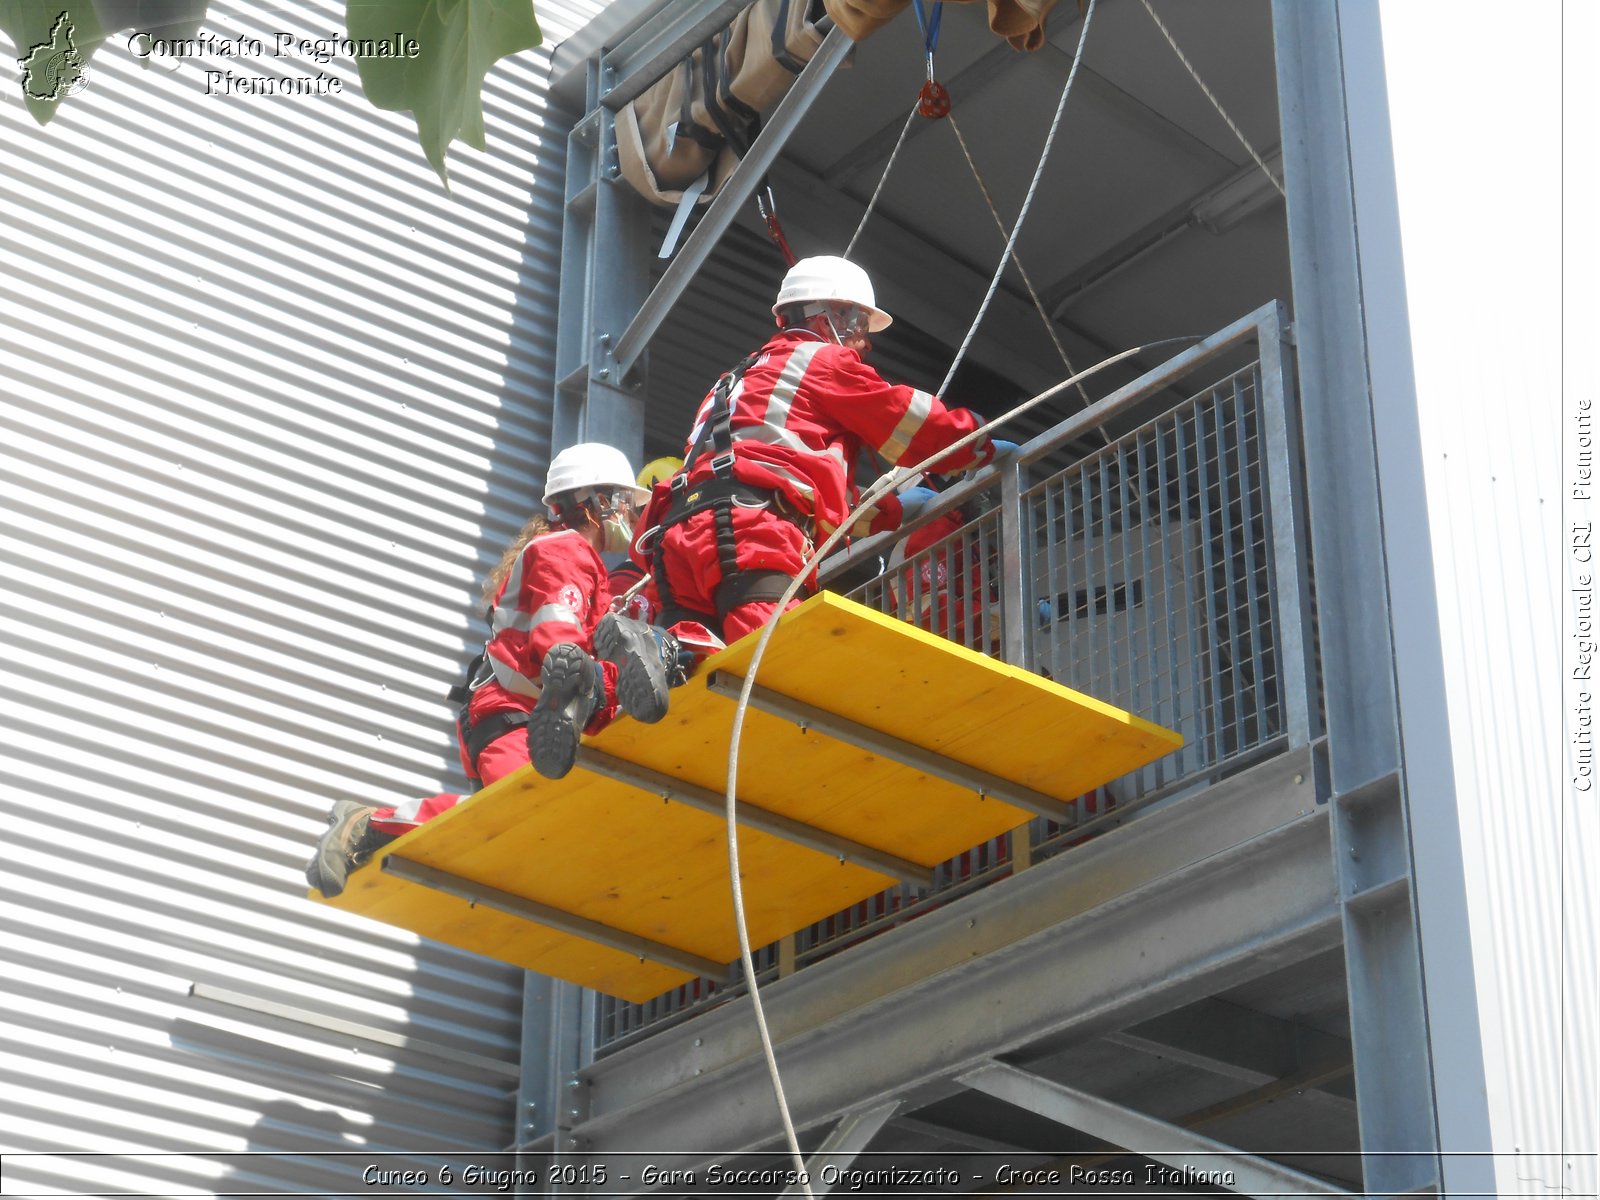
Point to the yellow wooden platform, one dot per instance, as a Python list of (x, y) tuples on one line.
[(652, 872)]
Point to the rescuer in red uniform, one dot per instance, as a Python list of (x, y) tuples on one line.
[(769, 471), (545, 598)]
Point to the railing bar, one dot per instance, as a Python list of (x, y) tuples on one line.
[(1203, 714), (1154, 675), (1167, 587), (1208, 576), (1103, 526), (1218, 406), (1077, 635), (1136, 688), (1052, 564), (1247, 508)]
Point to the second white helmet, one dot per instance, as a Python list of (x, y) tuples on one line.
[(828, 277), (591, 465)]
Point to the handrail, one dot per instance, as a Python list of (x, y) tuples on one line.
[(1263, 325)]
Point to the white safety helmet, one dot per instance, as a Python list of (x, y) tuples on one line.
[(591, 465), (829, 278)]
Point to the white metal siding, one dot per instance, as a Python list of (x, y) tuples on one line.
[(270, 402), (1478, 177)]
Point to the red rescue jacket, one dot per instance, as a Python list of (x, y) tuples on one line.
[(803, 411), (557, 592)]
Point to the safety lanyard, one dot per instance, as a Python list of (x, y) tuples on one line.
[(933, 101)]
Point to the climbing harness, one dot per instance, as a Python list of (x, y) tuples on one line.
[(720, 494), (476, 735)]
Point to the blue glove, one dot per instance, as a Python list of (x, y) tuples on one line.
[(1003, 449), (914, 500)]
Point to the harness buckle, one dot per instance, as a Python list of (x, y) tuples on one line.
[(722, 464)]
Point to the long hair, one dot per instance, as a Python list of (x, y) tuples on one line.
[(537, 524)]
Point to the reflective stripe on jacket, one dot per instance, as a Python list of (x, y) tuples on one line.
[(805, 408), (557, 591)]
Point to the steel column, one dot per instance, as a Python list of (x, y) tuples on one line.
[(1173, 1145), (1394, 1074), (1291, 549), (604, 278)]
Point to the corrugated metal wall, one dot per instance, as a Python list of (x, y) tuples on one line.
[(270, 401)]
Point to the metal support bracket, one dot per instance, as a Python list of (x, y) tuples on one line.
[(890, 747), (1223, 1166), (752, 817), (553, 918)]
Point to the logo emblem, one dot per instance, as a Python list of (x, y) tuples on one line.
[(53, 69), (570, 597)]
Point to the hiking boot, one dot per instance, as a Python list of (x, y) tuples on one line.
[(571, 688), (347, 843), (648, 664)]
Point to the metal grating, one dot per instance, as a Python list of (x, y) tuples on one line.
[(270, 404), (1150, 582)]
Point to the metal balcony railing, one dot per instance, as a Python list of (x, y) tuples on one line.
[(1166, 572)]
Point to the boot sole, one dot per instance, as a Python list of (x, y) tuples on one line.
[(328, 870), (641, 675), (552, 733)]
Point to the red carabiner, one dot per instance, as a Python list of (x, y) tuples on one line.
[(933, 101)]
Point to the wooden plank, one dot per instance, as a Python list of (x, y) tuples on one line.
[(609, 852)]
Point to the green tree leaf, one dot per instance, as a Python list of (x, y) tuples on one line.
[(53, 53), (458, 41)]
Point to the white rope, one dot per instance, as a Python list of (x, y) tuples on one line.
[(889, 482), (1038, 304), (1027, 201), (1211, 96), (882, 487), (882, 179)]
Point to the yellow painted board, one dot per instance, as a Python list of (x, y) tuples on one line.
[(863, 666), (621, 856), (606, 852)]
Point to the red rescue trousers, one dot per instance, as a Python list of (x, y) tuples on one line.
[(764, 541), (499, 758)]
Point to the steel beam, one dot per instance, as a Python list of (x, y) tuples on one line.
[(1219, 889), (553, 918), (611, 26), (652, 50), (738, 188), (849, 1137), (753, 817), (885, 745), (1388, 1016), (1176, 1147)]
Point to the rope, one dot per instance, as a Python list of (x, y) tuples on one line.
[(889, 482), (882, 179), (1215, 103), (1038, 304), (1027, 200)]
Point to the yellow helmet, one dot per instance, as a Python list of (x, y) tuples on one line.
[(658, 471)]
